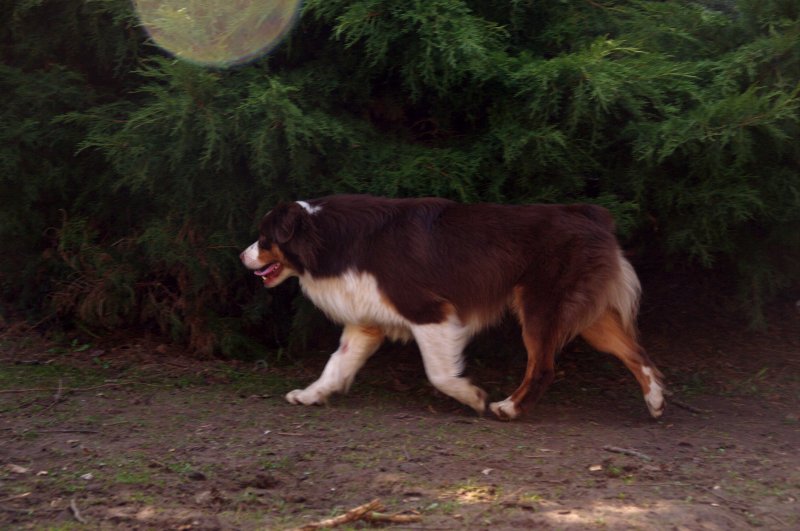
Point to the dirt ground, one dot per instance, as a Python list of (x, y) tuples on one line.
[(132, 434)]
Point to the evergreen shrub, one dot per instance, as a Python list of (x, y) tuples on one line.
[(131, 180)]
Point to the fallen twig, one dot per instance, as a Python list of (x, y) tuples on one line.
[(67, 431), (688, 407), (73, 507), (784, 524), (14, 510), (393, 518), (15, 497), (73, 390), (732, 504), (352, 515), (57, 397), (627, 451), (422, 465)]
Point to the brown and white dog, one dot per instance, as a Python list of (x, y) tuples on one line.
[(437, 272)]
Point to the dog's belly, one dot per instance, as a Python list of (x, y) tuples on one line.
[(354, 298)]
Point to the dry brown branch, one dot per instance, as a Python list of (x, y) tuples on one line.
[(393, 518), (352, 515), (627, 451)]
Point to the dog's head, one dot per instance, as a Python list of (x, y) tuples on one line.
[(287, 244)]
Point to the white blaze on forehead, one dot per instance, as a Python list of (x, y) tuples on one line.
[(309, 208)]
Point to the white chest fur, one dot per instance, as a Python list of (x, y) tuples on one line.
[(354, 298)]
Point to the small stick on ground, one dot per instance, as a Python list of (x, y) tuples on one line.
[(732, 504), (687, 407), (784, 524), (627, 451), (73, 507), (352, 515), (16, 497), (57, 397), (393, 518), (73, 390), (408, 459), (67, 431)]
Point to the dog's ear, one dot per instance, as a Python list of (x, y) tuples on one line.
[(289, 217), (293, 228)]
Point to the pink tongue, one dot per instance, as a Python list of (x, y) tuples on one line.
[(264, 272)]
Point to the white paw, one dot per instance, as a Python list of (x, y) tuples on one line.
[(305, 397), (505, 410), (655, 396), (655, 401)]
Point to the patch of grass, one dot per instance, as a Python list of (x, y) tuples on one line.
[(260, 383), (751, 386), (247, 519), (66, 482), (184, 382), (447, 507), (64, 526), (181, 467), (531, 497), (72, 488), (697, 384), (44, 375), (143, 498), (133, 477), (274, 464), (93, 420)]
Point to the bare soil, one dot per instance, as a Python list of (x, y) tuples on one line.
[(125, 433)]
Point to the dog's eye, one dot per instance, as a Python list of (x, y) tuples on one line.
[(264, 243)]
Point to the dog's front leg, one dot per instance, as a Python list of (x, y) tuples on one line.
[(356, 345), (442, 346)]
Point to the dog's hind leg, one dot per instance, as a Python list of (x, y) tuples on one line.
[(607, 334), (441, 346), (356, 345), (542, 338), (539, 374)]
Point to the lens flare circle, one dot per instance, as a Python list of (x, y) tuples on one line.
[(218, 33)]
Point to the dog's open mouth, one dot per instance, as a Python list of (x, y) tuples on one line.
[(269, 272)]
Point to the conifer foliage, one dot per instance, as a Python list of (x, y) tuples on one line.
[(130, 179)]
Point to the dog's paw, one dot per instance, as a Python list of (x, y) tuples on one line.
[(505, 410), (304, 397), (655, 394), (655, 404)]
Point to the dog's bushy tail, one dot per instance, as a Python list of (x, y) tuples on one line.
[(624, 294)]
